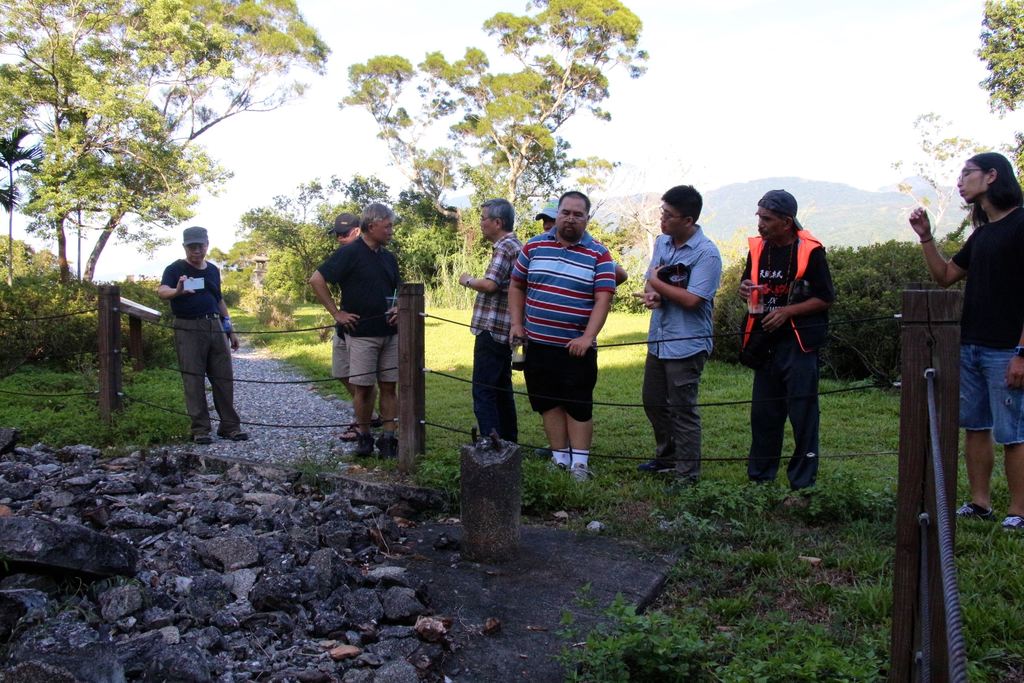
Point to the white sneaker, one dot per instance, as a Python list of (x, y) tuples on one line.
[(558, 465), (580, 472)]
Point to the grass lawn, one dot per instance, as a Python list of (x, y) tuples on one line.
[(744, 602)]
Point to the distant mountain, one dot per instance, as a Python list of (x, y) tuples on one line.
[(837, 214)]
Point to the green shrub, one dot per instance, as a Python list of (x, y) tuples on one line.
[(638, 647), (845, 499), (270, 308)]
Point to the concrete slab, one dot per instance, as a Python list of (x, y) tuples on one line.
[(528, 596)]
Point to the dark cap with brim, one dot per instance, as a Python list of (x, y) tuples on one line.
[(195, 235), (782, 203), (344, 224)]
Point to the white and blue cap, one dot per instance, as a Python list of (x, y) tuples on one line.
[(549, 210)]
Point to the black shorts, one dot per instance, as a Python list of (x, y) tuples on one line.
[(554, 379)]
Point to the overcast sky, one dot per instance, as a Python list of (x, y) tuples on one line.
[(735, 90)]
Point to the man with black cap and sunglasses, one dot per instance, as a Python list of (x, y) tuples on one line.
[(788, 288), (202, 334), (345, 231)]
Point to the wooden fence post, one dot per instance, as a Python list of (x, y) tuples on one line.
[(136, 313), (109, 351), (930, 338), (411, 382)]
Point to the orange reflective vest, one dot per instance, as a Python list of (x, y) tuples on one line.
[(806, 243)]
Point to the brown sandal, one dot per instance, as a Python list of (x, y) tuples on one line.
[(351, 432)]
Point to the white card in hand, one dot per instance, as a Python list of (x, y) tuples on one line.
[(195, 283)]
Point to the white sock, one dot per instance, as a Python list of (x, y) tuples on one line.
[(561, 457), (580, 457)]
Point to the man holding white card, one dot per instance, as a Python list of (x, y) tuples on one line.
[(202, 333)]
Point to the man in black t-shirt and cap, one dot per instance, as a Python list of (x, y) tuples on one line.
[(788, 288), (202, 332)]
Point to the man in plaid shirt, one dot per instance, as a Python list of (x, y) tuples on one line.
[(493, 401)]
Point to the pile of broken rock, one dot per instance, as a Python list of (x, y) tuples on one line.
[(159, 567)]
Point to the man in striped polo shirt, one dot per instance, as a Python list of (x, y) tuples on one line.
[(561, 290)]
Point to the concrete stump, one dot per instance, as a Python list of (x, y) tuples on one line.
[(492, 487)]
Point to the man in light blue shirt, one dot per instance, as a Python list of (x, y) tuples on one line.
[(684, 275)]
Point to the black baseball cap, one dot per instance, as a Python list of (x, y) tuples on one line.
[(782, 203), (344, 224)]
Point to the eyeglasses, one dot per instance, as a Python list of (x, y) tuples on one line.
[(968, 171), (669, 214)]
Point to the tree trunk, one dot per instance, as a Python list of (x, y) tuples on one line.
[(97, 249), (10, 248), (62, 251)]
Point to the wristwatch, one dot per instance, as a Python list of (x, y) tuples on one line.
[(1019, 351)]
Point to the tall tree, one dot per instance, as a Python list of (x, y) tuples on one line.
[(504, 128), (14, 158), (119, 90), (1002, 50), (943, 154)]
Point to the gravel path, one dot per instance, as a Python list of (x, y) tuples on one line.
[(280, 404)]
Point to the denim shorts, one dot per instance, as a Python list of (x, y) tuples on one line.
[(985, 400)]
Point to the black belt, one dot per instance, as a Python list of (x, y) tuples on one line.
[(204, 316)]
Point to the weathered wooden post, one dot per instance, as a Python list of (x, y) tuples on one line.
[(109, 351), (930, 338), (136, 313), (411, 382), (491, 492)]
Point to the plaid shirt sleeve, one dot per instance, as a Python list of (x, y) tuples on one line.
[(504, 258)]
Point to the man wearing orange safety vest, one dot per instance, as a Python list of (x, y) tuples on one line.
[(788, 289)]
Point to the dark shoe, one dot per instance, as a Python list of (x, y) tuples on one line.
[(364, 445), (235, 436), (387, 444), (376, 422), (972, 511), (656, 467), (1013, 523), (542, 453), (202, 439)]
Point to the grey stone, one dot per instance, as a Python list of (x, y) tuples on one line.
[(363, 606), (8, 440), (394, 648), (178, 664), (388, 575), (396, 672), (232, 552), (401, 604), (127, 518), (491, 496), (20, 605), (120, 601), (276, 593), (358, 676), (37, 672), (242, 582), (67, 546)]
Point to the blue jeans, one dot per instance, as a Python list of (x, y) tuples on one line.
[(986, 403), (494, 403)]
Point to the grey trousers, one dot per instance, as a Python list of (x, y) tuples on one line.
[(670, 401), (203, 351)]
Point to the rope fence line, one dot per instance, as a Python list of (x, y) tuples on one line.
[(633, 458), (271, 381), (710, 404), (717, 335), (36, 395), (57, 316), (165, 409), (297, 330)]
